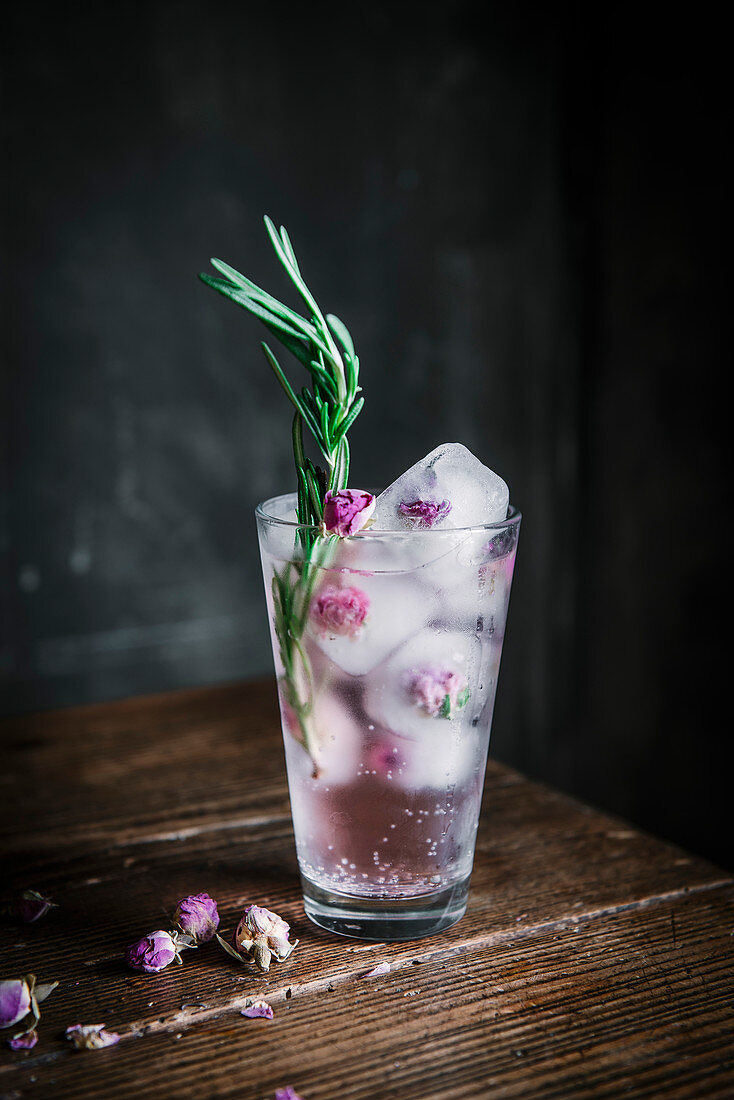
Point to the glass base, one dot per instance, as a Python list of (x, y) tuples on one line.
[(384, 919)]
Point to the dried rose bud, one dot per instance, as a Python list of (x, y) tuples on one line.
[(26, 1041), (197, 916), (15, 1001), (346, 511), (438, 692), (91, 1036), (340, 610), (155, 951), (258, 1009), (259, 936), (31, 905), (18, 998), (423, 514)]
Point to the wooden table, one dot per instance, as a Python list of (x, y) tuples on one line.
[(593, 960)]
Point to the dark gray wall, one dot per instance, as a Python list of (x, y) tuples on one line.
[(516, 211)]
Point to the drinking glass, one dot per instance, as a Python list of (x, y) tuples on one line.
[(387, 649)]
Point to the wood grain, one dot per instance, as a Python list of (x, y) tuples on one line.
[(593, 960)]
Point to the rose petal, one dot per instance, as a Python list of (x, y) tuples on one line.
[(288, 1093), (91, 1036), (381, 968), (258, 1008), (15, 1001), (25, 1041)]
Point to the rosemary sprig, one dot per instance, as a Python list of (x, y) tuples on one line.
[(323, 345), (325, 348)]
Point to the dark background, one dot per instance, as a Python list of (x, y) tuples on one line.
[(520, 211)]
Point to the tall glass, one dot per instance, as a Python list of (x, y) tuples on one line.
[(387, 649)]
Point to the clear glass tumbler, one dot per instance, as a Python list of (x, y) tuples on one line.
[(387, 649)]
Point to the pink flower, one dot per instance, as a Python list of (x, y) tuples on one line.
[(15, 1001), (346, 511), (340, 610), (156, 951), (258, 1008), (31, 905), (26, 1041), (91, 1036), (198, 917), (424, 513), (384, 758), (260, 936), (438, 692)]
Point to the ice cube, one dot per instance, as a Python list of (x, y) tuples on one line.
[(395, 699), (337, 740), (447, 489), (358, 620)]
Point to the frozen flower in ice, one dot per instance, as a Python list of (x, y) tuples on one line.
[(31, 905), (340, 610), (424, 513), (155, 951), (26, 1041), (197, 917), (258, 1008), (18, 998), (288, 1093), (385, 758), (346, 511), (259, 936), (438, 692), (91, 1036)]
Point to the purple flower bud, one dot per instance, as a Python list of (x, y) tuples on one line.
[(154, 952), (31, 905), (261, 935), (423, 514), (25, 1041), (438, 692), (340, 610), (258, 1008), (15, 1001), (91, 1036), (197, 916), (346, 511)]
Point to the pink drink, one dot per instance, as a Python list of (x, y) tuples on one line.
[(401, 650)]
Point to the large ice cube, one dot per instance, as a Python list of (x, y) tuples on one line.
[(447, 489), (391, 698), (337, 740), (358, 620)]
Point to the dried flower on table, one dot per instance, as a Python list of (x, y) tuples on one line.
[(155, 951), (258, 1009), (20, 997), (260, 936), (91, 1036), (31, 905), (197, 916)]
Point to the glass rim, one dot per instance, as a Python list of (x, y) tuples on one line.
[(514, 516)]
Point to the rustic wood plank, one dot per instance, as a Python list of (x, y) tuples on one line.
[(187, 792), (637, 1003)]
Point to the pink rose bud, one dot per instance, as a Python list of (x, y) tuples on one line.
[(422, 514), (340, 610), (197, 917), (15, 1001), (156, 951), (260, 936), (31, 905), (346, 511), (438, 692)]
